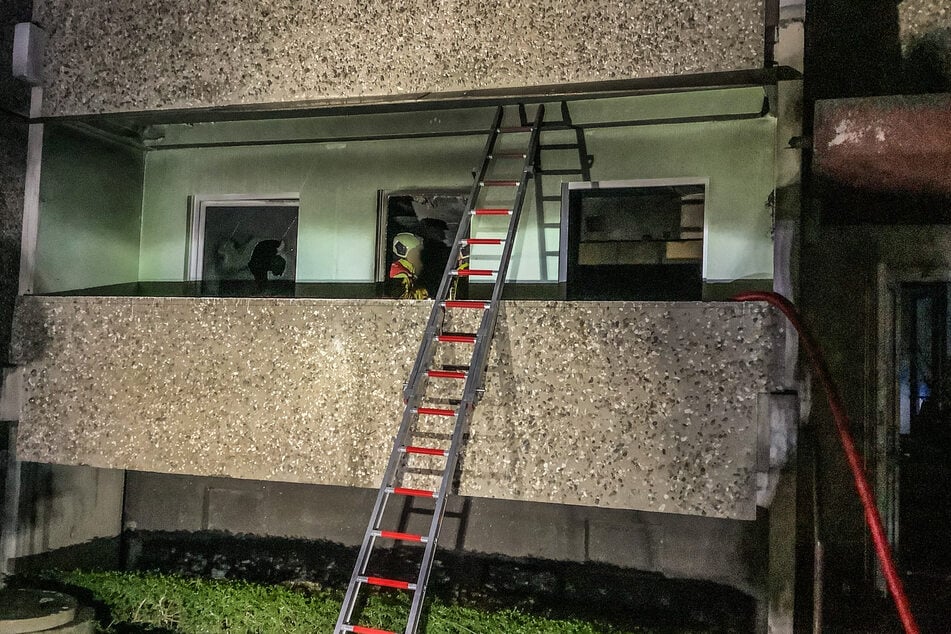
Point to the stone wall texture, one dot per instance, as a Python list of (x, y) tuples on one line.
[(926, 45), (920, 17), (128, 55), (14, 97), (13, 143), (647, 406)]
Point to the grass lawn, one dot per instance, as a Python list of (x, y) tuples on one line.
[(157, 602)]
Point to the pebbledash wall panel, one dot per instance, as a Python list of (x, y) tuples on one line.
[(129, 55), (13, 148), (646, 406)]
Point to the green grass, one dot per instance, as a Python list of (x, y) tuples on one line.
[(205, 606)]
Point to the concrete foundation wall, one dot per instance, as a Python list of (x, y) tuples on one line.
[(725, 551), (646, 406), (129, 55), (73, 511)]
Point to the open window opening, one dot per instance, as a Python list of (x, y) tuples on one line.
[(244, 245), (640, 240), (432, 216)]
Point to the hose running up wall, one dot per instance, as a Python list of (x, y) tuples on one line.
[(842, 424)]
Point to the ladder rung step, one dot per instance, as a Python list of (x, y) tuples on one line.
[(559, 146), (464, 303), (551, 198), (413, 493), (508, 155), (517, 128), (494, 211), (559, 171), (446, 374), (452, 337), (435, 411), (388, 583), (404, 537), (473, 272), (499, 183), (472, 241), (552, 224), (426, 451), (359, 629)]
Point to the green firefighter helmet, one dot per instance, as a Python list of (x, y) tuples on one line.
[(403, 243)]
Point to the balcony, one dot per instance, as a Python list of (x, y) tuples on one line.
[(660, 406)]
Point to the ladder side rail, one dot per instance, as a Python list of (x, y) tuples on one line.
[(424, 356), (540, 217), (490, 317), (366, 548), (473, 383)]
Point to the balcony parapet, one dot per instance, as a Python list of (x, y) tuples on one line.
[(634, 405)]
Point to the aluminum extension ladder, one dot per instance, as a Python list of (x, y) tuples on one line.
[(472, 375)]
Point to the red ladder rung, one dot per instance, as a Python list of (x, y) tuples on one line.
[(463, 303), (435, 411), (406, 537), (359, 629), (454, 338), (499, 183), (389, 583), (446, 374), (474, 272), (508, 155), (414, 493), (471, 241), (426, 451), (518, 128), (492, 211)]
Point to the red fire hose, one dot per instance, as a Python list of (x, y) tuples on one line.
[(842, 424)]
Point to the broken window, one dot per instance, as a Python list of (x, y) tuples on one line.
[(244, 246), (433, 217)]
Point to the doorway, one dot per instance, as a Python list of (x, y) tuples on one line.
[(923, 335)]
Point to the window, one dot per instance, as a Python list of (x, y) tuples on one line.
[(433, 216), (634, 241), (244, 245)]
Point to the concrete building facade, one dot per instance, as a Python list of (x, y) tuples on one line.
[(144, 109)]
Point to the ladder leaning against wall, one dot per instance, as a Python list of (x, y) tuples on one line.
[(497, 156)]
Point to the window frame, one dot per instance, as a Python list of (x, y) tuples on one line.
[(382, 205), (198, 205), (568, 187)]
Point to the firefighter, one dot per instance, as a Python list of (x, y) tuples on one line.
[(403, 281)]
